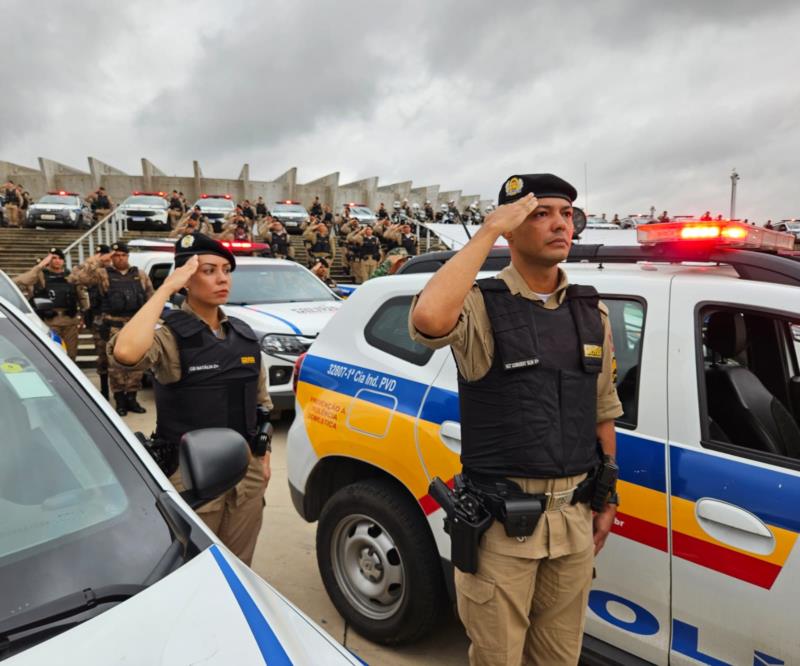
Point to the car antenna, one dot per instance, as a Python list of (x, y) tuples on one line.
[(466, 231)]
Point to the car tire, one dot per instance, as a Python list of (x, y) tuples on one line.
[(379, 562)]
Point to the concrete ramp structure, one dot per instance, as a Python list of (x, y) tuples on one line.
[(52, 175)]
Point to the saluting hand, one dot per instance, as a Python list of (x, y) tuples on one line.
[(46, 261), (508, 217), (180, 276)]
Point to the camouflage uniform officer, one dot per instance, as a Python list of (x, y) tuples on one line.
[(395, 258), (92, 320), (277, 238), (535, 364), (100, 203), (366, 253), (321, 243), (401, 236), (50, 279), (346, 229), (194, 222), (208, 374), (123, 290)]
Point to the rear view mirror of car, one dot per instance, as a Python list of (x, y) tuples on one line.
[(43, 307), (212, 461), (578, 221)]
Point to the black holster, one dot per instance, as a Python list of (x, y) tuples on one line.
[(164, 453)]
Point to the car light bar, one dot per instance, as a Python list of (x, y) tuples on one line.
[(287, 201), (243, 246), (137, 193), (62, 193), (723, 233), (215, 196)]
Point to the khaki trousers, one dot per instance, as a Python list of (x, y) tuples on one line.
[(11, 212), (69, 334), (363, 269), (236, 517), (525, 611)]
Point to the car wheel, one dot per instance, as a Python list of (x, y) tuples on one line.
[(379, 562)]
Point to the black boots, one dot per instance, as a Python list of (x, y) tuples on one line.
[(133, 405), (122, 403), (104, 386)]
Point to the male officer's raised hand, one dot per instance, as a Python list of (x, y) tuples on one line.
[(180, 276), (508, 217)]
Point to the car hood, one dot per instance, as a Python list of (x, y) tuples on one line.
[(290, 215), (141, 207), (307, 318), (213, 610)]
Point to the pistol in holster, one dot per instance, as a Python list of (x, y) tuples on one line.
[(165, 453), (466, 521)]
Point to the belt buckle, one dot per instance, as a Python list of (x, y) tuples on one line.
[(556, 501)]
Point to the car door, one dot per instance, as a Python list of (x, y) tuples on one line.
[(735, 500)]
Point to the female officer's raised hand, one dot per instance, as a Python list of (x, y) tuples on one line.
[(180, 276)]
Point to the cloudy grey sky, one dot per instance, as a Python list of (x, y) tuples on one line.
[(659, 99)]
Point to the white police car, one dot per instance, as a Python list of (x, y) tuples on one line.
[(703, 564), (145, 211), (216, 208), (61, 208), (291, 213), (101, 560)]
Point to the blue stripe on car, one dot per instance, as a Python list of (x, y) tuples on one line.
[(268, 643), (274, 316), (695, 473)]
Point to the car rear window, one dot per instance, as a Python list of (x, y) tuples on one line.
[(387, 330)]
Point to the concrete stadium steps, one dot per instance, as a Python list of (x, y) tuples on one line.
[(19, 248)]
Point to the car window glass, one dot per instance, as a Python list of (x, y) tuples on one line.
[(627, 324), (276, 284), (8, 292), (387, 330), (749, 384), (159, 273)]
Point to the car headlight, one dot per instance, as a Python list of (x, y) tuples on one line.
[(72, 215), (282, 344)]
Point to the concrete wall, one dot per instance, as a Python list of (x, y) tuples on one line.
[(52, 175)]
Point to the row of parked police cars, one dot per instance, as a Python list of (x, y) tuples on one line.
[(102, 561)]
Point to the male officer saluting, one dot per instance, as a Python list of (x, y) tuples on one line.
[(123, 290), (50, 279), (208, 374), (534, 356)]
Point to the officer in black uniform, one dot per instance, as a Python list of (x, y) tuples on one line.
[(261, 208), (208, 374), (176, 210), (91, 321)]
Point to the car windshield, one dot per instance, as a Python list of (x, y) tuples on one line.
[(276, 284), (75, 511), (279, 209), (59, 199), (793, 226), (145, 201), (361, 211), (214, 202), (10, 293)]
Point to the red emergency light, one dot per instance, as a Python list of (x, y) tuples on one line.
[(243, 246), (723, 233), (287, 201), (215, 196), (137, 193), (62, 193)]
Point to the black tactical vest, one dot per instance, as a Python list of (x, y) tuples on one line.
[(280, 243), (410, 244), (322, 244), (125, 293), (534, 413), (11, 196), (261, 209), (218, 387), (370, 248), (57, 289), (103, 202)]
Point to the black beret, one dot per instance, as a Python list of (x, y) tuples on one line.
[(103, 248), (56, 252), (542, 185), (197, 243), (119, 246)]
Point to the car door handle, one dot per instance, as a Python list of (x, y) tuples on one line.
[(734, 526), (450, 434)]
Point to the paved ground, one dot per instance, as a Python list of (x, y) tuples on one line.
[(285, 557)]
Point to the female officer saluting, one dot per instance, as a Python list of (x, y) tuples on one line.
[(208, 373)]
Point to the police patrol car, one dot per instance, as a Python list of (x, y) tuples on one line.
[(145, 211), (703, 564), (291, 213), (61, 208), (101, 560), (363, 213), (216, 208)]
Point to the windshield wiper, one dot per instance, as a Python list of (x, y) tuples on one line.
[(64, 607)]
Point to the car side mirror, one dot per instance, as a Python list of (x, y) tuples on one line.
[(578, 221), (43, 307), (177, 299), (212, 461)]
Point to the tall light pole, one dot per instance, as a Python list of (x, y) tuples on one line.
[(734, 180)]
